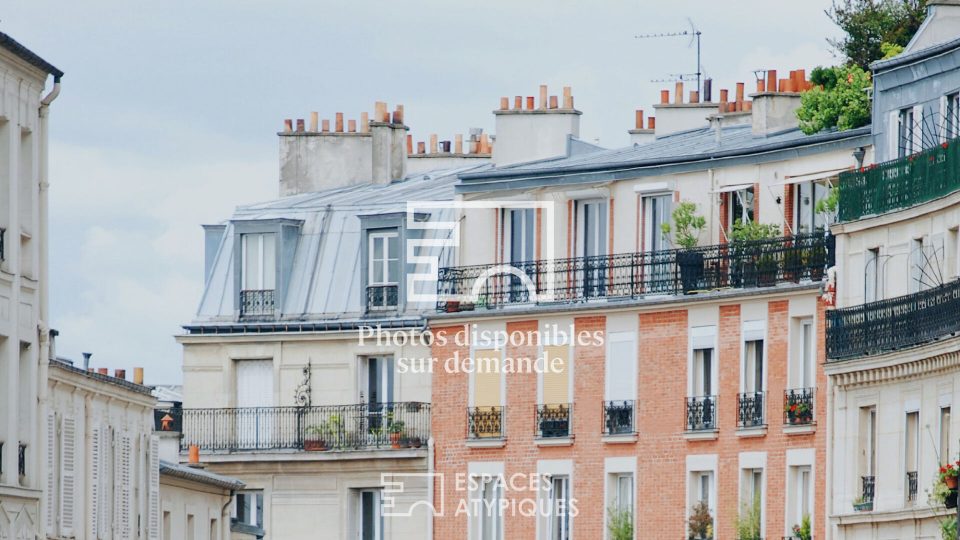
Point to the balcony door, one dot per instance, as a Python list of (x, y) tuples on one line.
[(254, 403), (369, 516), (592, 236), (377, 390), (656, 212), (521, 233)]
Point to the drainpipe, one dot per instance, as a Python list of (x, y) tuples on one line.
[(431, 486), (223, 511)]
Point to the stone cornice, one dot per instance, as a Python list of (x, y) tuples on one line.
[(930, 359)]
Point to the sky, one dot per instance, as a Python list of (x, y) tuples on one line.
[(169, 111)]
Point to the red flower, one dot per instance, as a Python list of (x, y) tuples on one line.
[(944, 145)]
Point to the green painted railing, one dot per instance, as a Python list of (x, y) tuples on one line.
[(900, 183)]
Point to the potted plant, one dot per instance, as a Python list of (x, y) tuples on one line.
[(860, 504), (415, 442), (948, 528), (798, 413), (314, 438), (748, 522), (700, 524), (453, 306), (686, 228), (802, 531), (620, 523), (396, 432), (333, 431), (753, 267), (948, 474)]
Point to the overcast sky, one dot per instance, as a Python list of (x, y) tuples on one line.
[(169, 113)]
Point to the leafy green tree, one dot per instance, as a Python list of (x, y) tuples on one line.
[(838, 99), (868, 24)]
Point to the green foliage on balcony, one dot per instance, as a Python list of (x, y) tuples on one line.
[(900, 183)]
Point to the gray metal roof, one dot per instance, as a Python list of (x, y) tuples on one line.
[(196, 474), (684, 151), (903, 59), (28, 56), (325, 282)]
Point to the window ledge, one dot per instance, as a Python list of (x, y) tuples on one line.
[(555, 441), (620, 438), (702, 435), (800, 430), (752, 431), (486, 443)]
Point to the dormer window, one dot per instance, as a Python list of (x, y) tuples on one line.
[(383, 279), (258, 274)]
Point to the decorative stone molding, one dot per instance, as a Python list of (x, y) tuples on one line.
[(898, 366)]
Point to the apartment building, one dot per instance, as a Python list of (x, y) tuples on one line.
[(24, 337), (685, 386), (893, 358), (285, 385)]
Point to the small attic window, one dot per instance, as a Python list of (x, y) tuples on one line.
[(258, 274), (383, 269)]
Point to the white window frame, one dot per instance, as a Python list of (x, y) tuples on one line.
[(257, 515), (702, 337), (943, 445), (652, 232), (382, 236), (264, 282), (378, 512), (803, 369), (614, 469), (602, 224), (746, 210), (799, 460), (548, 471), (753, 331), (528, 221), (478, 472)]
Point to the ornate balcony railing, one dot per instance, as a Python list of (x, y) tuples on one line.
[(553, 420), (868, 491), (750, 408), (382, 297), (912, 485), (365, 426), (755, 263), (618, 417), (900, 183), (702, 413), (798, 406), (485, 423), (894, 323), (257, 303), (22, 459)]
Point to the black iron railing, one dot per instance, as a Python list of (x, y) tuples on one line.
[(553, 420), (3, 234), (798, 406), (755, 263), (257, 303), (868, 491), (702, 413), (22, 460), (894, 323), (1, 457), (618, 417), (382, 297), (750, 408), (911, 485), (366, 426), (168, 419), (485, 423)]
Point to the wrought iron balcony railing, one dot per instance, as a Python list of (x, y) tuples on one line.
[(553, 420), (382, 297), (365, 426), (900, 183), (702, 413), (755, 263), (485, 423), (912, 486), (894, 323), (618, 417), (750, 409), (257, 303), (22, 459), (868, 491), (3, 234), (798, 406)]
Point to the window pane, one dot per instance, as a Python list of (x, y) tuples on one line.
[(269, 261), (945, 456), (393, 257), (251, 261)]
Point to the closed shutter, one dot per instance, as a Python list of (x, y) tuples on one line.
[(50, 500), (122, 485), (93, 519), (917, 128), (621, 367), (68, 458), (945, 119), (556, 375), (893, 135), (486, 378), (153, 490)]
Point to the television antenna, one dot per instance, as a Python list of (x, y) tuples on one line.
[(694, 35)]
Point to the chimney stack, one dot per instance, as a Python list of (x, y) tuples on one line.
[(86, 360), (536, 131)]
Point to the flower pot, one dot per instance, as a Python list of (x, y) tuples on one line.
[(950, 481), (416, 442), (951, 500), (314, 445), (453, 306), (691, 270), (395, 440)]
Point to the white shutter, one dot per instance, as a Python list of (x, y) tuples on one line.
[(68, 457), (621, 366), (942, 128), (106, 474), (96, 457), (893, 139), (122, 487), (917, 128), (153, 490), (50, 501)]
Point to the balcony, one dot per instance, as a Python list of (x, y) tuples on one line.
[(912, 486), (257, 303), (702, 413), (867, 492), (382, 297), (798, 407), (750, 410), (553, 421), (757, 263), (618, 418), (900, 183), (895, 323), (365, 426), (485, 423)]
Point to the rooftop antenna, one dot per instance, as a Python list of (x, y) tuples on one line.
[(694, 34)]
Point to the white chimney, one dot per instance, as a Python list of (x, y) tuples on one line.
[(528, 133)]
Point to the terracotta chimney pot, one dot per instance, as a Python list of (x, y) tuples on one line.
[(103, 371), (771, 80), (339, 122), (120, 373), (567, 97), (639, 119), (504, 103), (421, 147), (325, 125), (747, 106), (651, 123), (352, 126), (288, 125), (678, 93), (739, 91), (300, 125), (543, 96), (364, 123), (723, 95), (409, 144), (761, 86), (664, 97), (194, 454), (530, 103), (433, 143), (314, 120), (694, 96), (518, 102), (554, 102), (138, 375), (458, 144)]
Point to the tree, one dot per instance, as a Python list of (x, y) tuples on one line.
[(838, 99), (869, 24)]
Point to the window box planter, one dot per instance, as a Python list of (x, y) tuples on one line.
[(314, 445)]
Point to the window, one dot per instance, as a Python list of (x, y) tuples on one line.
[(751, 494), (753, 366), (619, 509), (740, 206), (703, 372), (700, 502), (918, 279), (383, 269), (656, 212), (799, 495), (369, 518), (259, 261), (485, 418), (952, 116), (871, 276), (911, 453), (805, 373), (806, 218), (952, 253), (868, 451), (522, 226), (593, 243), (620, 385), (558, 508), (701, 405), (489, 518), (248, 508), (906, 129), (944, 448)]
